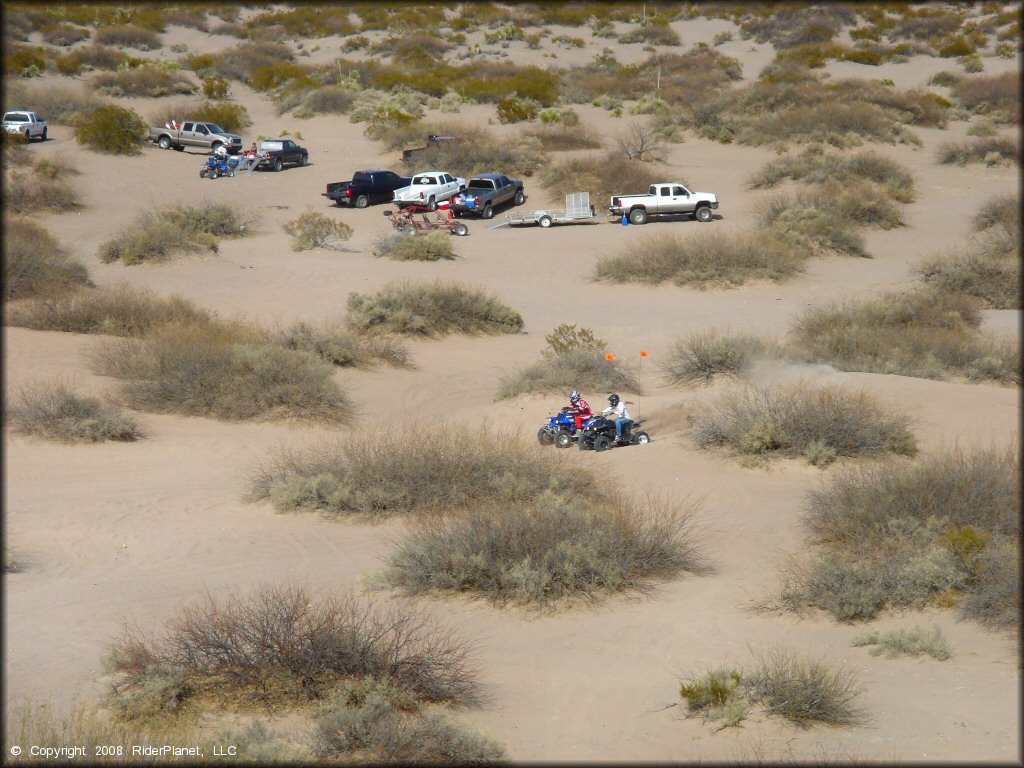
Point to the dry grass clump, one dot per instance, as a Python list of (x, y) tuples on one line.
[(338, 345), (994, 95), (652, 34), (239, 62), (35, 265), (818, 423), (707, 259), (222, 371), (560, 138), (422, 470), (817, 167), (800, 689), (282, 645), (59, 104), (915, 641), (573, 358), (699, 357), (150, 81), (926, 333), (431, 309), (476, 151), (399, 246), (64, 34), (901, 535), (112, 130), (548, 551), (313, 229), (54, 412), (991, 150), (312, 101), (128, 36), (120, 310), (159, 235), (601, 176), (38, 192)]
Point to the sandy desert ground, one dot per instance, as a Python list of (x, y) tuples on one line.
[(140, 530)]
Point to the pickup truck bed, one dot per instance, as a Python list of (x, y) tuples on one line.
[(486, 192)]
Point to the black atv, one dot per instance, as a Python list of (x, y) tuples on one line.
[(599, 433)]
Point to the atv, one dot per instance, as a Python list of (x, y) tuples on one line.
[(599, 433), (560, 430)]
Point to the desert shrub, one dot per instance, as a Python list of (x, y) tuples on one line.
[(257, 743), (814, 166), (304, 21), (378, 730), (707, 259), (282, 644), (513, 109), (15, 151), (477, 151), (231, 117), (119, 310), (804, 690), (557, 138), (431, 246), (239, 62), (215, 88), (25, 61), (995, 596), (54, 412), (641, 142), (432, 309), (986, 267), (325, 100), (716, 694), (99, 57), (339, 346), (39, 191), (993, 150), (995, 95), (794, 420), (425, 470), (315, 230), (1000, 213), (270, 77), (905, 642), (652, 34), (836, 123), (128, 36), (35, 264), (157, 236), (213, 370), (701, 356), (924, 333), (548, 551), (64, 34), (112, 130), (602, 176), (149, 81), (60, 105)]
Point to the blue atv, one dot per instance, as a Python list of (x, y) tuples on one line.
[(560, 430), (598, 434), (216, 166)]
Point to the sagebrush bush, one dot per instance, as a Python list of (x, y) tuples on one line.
[(399, 246), (923, 332), (432, 309), (994, 95), (812, 165), (26, 194), (64, 34), (112, 130), (905, 642), (203, 369), (35, 264), (994, 150), (792, 420), (59, 104), (338, 345), (119, 310), (477, 150), (53, 411), (575, 368), (128, 36), (148, 81), (704, 260), (313, 229), (281, 644), (159, 235), (988, 270), (701, 356), (425, 470), (550, 550)]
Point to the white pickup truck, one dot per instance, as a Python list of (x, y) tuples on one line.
[(664, 198), (28, 124), (429, 188)]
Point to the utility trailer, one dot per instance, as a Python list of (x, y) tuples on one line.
[(577, 209)]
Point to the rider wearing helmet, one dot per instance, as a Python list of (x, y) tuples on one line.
[(617, 408), (578, 408)]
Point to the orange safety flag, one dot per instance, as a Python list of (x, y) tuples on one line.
[(644, 353), (609, 356)]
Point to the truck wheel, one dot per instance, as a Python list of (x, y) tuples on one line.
[(520, 197), (488, 212), (544, 221), (432, 203), (44, 134), (638, 216), (461, 229), (278, 165), (362, 201), (703, 214), (164, 142)]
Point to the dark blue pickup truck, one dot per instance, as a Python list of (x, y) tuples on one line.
[(366, 187)]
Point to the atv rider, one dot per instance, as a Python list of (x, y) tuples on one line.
[(578, 408), (618, 410)]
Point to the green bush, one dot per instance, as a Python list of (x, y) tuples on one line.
[(791, 420), (704, 260), (112, 130), (701, 356), (905, 642), (35, 264), (513, 109), (157, 236), (717, 694), (431, 309), (54, 412), (315, 230), (215, 88), (422, 471), (231, 117), (552, 550), (25, 61), (399, 246)]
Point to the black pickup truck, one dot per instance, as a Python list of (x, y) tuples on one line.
[(366, 187), (274, 153), (485, 192)]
